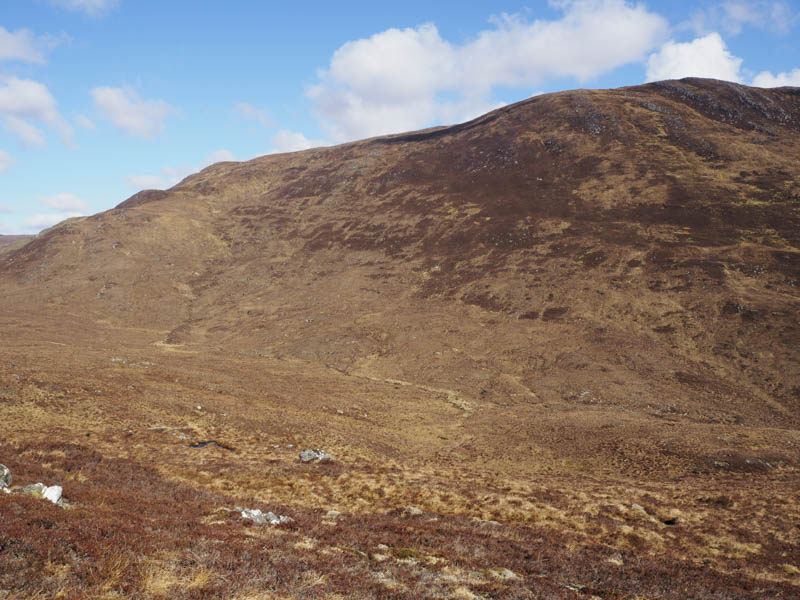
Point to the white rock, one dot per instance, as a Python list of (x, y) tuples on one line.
[(255, 514), (319, 456), (53, 493), (5, 476), (503, 573)]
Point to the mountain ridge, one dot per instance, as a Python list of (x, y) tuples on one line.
[(483, 212)]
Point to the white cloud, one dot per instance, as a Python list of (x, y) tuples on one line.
[(703, 57), (5, 208), (764, 14), (28, 134), (129, 113), (21, 45), (42, 221), (396, 80), (768, 80), (248, 111), (217, 156), (68, 203), (5, 161), (733, 16), (85, 121), (93, 8), (25, 100), (170, 175), (292, 141), (145, 182), (175, 174)]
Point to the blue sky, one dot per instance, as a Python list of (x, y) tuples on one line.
[(102, 98)]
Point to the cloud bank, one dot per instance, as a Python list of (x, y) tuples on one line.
[(402, 79), (22, 46), (703, 57), (23, 101), (767, 79)]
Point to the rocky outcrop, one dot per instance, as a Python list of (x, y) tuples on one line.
[(255, 514), (315, 456), (53, 492), (5, 477)]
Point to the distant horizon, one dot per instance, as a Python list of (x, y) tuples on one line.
[(102, 98)]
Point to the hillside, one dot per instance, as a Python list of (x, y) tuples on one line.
[(573, 318), (7, 242)]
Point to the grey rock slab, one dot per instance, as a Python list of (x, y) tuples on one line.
[(34, 489), (317, 456), (255, 514), (5, 476)]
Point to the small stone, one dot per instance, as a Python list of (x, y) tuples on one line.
[(413, 511), (198, 407), (377, 556), (332, 514), (317, 456), (638, 507), (5, 476), (503, 573)]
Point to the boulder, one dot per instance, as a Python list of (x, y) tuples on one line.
[(40, 490), (5, 476), (317, 456), (53, 493), (34, 489)]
